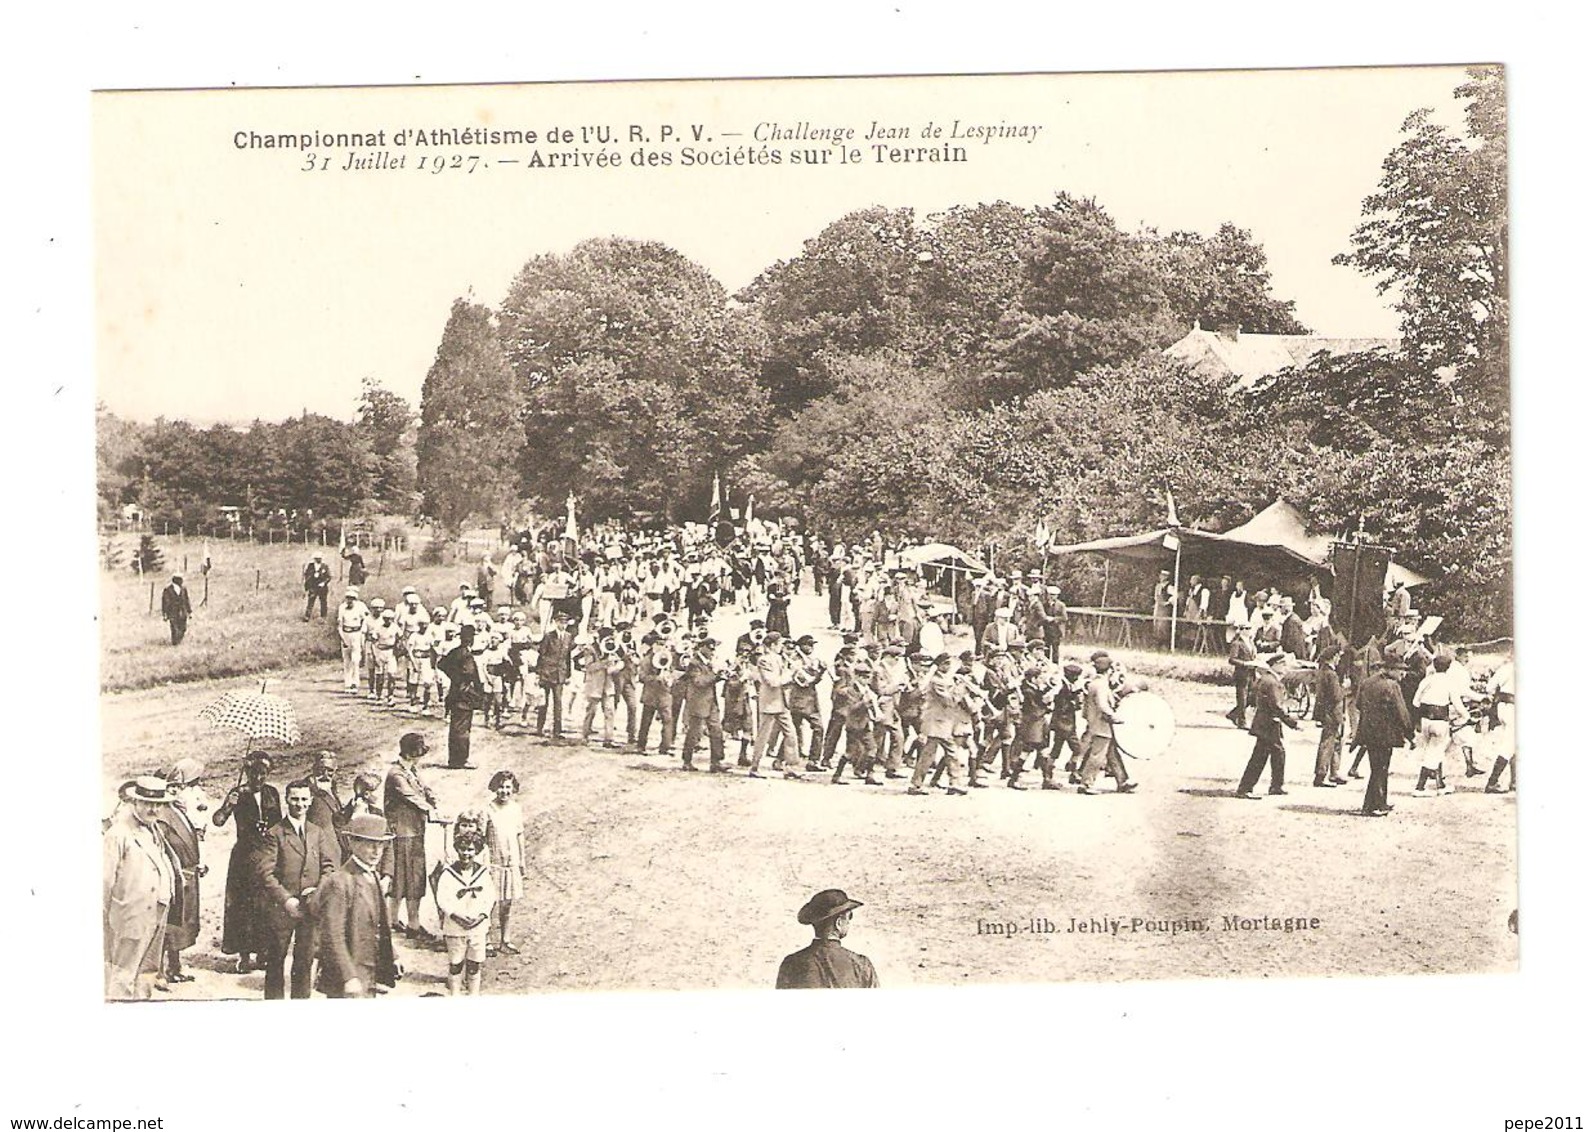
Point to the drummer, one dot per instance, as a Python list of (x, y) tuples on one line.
[(1100, 712)]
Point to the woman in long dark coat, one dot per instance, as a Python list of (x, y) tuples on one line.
[(179, 822), (257, 806)]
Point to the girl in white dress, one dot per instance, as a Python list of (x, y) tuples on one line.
[(506, 844)]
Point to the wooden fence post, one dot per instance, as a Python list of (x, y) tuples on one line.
[(152, 597), (257, 580)]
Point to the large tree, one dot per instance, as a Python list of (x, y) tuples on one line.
[(1221, 280), (1435, 234), (849, 292), (640, 378), (472, 438), (1092, 295), (386, 423)]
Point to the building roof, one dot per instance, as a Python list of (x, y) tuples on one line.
[(1249, 357)]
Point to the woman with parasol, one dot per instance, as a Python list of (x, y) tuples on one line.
[(257, 806)]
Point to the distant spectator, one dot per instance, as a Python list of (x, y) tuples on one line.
[(175, 608), (356, 565), (317, 583)]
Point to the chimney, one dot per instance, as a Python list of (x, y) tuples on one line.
[(1229, 331)]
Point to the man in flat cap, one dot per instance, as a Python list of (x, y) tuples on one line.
[(824, 963)]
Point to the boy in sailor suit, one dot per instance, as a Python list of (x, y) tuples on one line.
[(465, 895)]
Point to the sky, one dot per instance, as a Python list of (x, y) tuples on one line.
[(234, 284)]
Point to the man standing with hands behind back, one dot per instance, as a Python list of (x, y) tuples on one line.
[(296, 856), (356, 934)]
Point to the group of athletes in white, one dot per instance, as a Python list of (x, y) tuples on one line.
[(627, 628)]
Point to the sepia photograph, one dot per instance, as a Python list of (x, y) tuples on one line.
[(812, 533)]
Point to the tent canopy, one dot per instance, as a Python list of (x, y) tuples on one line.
[(1274, 541), (943, 555)]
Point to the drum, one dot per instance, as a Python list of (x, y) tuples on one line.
[(1146, 727)]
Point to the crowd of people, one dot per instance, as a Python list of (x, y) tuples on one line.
[(1399, 689), (316, 883), (598, 641), (615, 633)]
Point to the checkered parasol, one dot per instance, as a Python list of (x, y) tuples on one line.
[(257, 716)]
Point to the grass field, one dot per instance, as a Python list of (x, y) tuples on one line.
[(252, 620)]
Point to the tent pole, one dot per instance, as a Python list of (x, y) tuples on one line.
[(1106, 580), (1172, 632)]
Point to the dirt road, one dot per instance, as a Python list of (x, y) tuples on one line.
[(648, 877)]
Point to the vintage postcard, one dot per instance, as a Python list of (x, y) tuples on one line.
[(804, 533)]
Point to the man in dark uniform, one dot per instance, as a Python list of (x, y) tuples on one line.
[(1267, 727), (824, 963), (175, 608), (1385, 723), (466, 696)]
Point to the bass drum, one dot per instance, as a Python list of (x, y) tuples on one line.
[(1146, 727)]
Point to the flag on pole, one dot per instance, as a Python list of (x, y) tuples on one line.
[(715, 506), (749, 512), (1172, 511), (569, 519), (1042, 534)]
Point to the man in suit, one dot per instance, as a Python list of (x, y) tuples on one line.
[(466, 695), (1241, 652), (774, 707), (175, 608), (553, 672), (356, 934), (1000, 633), (1271, 717), (140, 884), (326, 808), (296, 856), (317, 583), (1384, 724), (1291, 633), (824, 964)]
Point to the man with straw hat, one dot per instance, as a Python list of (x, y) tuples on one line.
[(356, 936), (824, 963), (140, 882)]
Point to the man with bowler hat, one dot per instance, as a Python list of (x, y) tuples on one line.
[(824, 963), (356, 934)]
